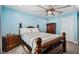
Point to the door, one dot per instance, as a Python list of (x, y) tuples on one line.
[(67, 25), (51, 28)]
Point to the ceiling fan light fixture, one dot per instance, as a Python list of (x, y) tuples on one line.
[(49, 12)]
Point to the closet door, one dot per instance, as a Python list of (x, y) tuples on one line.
[(67, 25), (51, 28)]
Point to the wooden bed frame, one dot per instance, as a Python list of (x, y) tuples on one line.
[(48, 45)]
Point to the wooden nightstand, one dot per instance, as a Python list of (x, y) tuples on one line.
[(10, 42)]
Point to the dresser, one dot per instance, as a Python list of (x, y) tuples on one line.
[(10, 42), (51, 28)]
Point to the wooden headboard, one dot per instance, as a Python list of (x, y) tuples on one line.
[(20, 26)]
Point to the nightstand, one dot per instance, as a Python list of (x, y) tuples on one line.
[(10, 42)]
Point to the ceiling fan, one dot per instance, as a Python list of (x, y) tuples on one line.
[(50, 10)]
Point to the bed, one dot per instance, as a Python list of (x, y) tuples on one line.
[(40, 43)]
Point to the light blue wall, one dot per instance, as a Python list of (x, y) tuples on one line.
[(0, 20), (0, 29), (78, 25), (12, 18)]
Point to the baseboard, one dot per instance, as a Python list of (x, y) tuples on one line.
[(76, 42)]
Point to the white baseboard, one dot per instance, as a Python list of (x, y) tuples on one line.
[(76, 42)]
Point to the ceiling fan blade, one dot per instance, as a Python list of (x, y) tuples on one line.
[(46, 14), (41, 7), (58, 11), (52, 13), (38, 11), (52, 6), (64, 7), (42, 13)]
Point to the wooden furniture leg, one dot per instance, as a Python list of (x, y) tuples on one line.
[(64, 43), (38, 49)]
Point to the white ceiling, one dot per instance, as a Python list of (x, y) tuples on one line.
[(32, 8)]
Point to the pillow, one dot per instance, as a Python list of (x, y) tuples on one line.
[(25, 30), (35, 30)]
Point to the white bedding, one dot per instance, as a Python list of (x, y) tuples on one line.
[(30, 38)]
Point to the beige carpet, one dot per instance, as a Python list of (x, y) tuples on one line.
[(71, 49)]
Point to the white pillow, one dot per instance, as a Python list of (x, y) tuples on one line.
[(35, 30), (25, 31)]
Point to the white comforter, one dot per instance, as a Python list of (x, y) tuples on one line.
[(30, 38)]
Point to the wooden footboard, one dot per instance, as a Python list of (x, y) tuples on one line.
[(39, 46)]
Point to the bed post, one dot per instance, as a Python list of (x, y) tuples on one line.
[(38, 49), (38, 26), (64, 43), (20, 26)]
